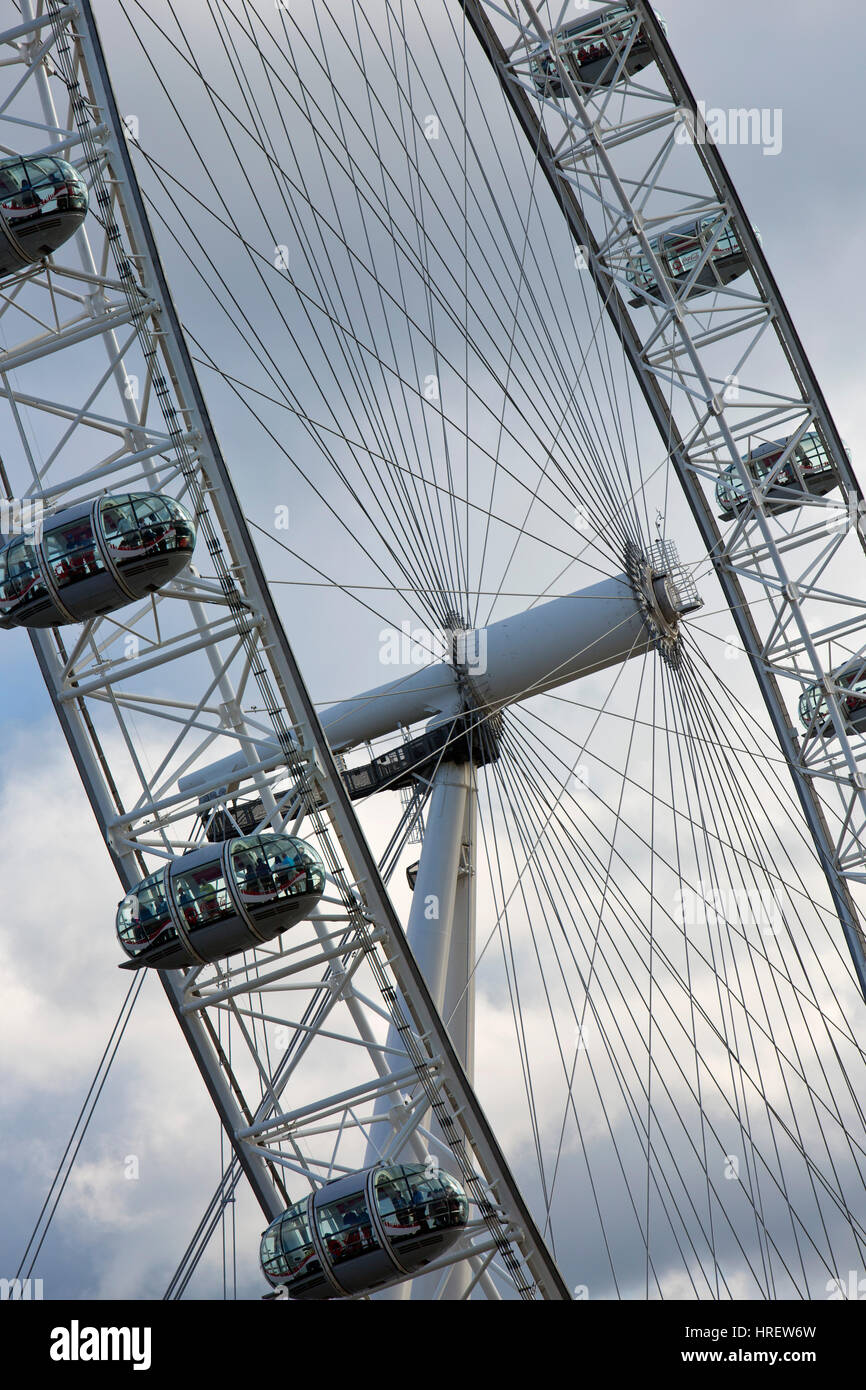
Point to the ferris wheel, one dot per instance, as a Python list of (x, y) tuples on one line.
[(446, 573)]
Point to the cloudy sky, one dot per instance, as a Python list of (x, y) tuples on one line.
[(121, 1236)]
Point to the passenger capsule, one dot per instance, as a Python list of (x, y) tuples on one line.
[(809, 468), (680, 250), (43, 201), (218, 900), (850, 681), (364, 1230), (589, 51), (93, 558)]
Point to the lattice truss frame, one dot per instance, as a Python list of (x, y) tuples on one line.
[(722, 372), (100, 395)]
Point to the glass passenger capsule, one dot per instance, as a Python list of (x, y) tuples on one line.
[(363, 1230), (588, 49), (850, 683), (809, 468), (679, 252), (43, 201), (218, 900), (93, 558)]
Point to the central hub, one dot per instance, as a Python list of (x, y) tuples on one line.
[(665, 592)]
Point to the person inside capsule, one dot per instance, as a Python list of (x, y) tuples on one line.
[(97, 556), (291, 873), (223, 900), (346, 1228), (588, 45), (410, 1201), (371, 1226), (148, 913), (679, 251), (21, 178), (814, 708), (120, 528), (255, 879), (208, 894), (71, 553), (143, 523), (20, 575), (43, 201), (272, 870), (809, 459)]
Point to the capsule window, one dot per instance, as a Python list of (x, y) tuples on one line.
[(144, 915), (619, 24), (762, 463), (14, 180), (592, 40), (854, 700), (72, 553), (11, 176), (20, 578), (270, 869), (132, 530), (412, 1201), (811, 701), (808, 461), (589, 42), (271, 1254), (158, 524), (682, 252), (287, 1248), (30, 183), (144, 525), (346, 1228), (119, 524), (399, 1205), (45, 168), (254, 871), (202, 896), (47, 175), (728, 243), (812, 454), (851, 694), (641, 272), (152, 511)]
